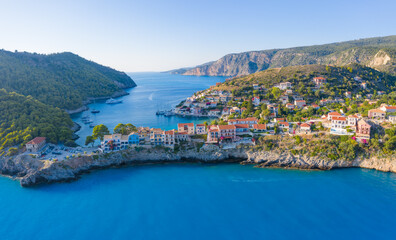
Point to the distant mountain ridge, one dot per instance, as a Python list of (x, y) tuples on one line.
[(62, 80), (378, 53)]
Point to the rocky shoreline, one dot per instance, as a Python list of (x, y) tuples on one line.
[(31, 172)]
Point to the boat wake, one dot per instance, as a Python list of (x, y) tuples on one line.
[(151, 97)]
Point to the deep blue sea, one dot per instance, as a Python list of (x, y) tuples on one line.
[(198, 201)]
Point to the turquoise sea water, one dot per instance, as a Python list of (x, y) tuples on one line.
[(196, 201)]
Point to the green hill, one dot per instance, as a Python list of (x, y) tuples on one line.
[(339, 80), (23, 118), (62, 80), (378, 53)]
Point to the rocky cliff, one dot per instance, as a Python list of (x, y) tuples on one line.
[(378, 53), (30, 171)]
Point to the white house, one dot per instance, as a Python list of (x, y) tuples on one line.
[(300, 103), (388, 109), (338, 122)]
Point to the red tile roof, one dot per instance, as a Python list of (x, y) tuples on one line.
[(334, 114), (185, 124), (241, 125), (286, 124), (339, 118), (37, 140), (376, 110), (227, 127), (260, 126)]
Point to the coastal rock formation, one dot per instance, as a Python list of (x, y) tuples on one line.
[(31, 171)]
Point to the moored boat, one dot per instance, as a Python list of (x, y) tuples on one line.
[(113, 101)]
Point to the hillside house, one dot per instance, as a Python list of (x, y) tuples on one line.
[(305, 127), (348, 94), (333, 114), (339, 122), (250, 121), (300, 103), (289, 106), (259, 127), (392, 119), (285, 85), (242, 129), (319, 81), (388, 109), (376, 114), (363, 131), (256, 101)]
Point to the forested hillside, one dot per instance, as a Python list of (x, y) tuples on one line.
[(23, 118), (62, 80), (378, 53)]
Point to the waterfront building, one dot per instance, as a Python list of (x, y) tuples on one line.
[(156, 136), (169, 138), (114, 142), (217, 133), (133, 138), (188, 128), (182, 136), (200, 129), (36, 144), (144, 134)]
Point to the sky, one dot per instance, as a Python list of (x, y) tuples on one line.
[(154, 35)]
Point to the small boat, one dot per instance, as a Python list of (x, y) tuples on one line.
[(88, 121), (95, 111), (113, 101), (91, 125), (160, 112)]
